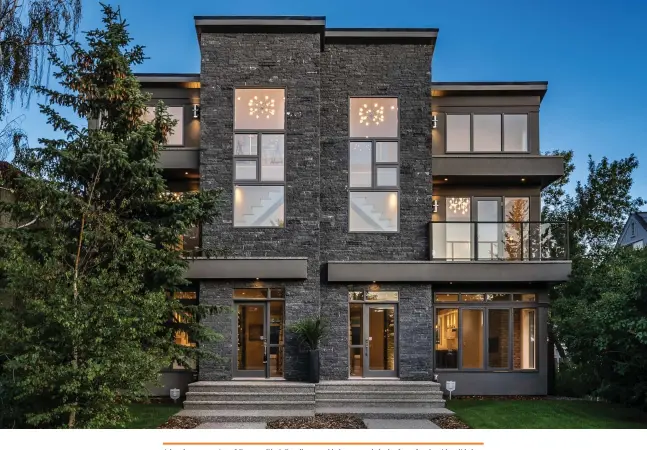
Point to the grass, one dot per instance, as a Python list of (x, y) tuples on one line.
[(545, 414), (151, 415)]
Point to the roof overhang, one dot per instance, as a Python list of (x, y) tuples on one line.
[(449, 272), (314, 24), (481, 88), (185, 80)]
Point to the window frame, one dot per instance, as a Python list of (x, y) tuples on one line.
[(374, 164), (257, 158), (181, 124), (486, 307), (485, 113), (193, 286)]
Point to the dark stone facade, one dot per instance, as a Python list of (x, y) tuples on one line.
[(318, 85)]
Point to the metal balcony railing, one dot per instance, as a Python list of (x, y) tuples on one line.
[(498, 241)]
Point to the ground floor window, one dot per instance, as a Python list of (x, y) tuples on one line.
[(259, 333), (372, 333), (187, 296), (485, 331)]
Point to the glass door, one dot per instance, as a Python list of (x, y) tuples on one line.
[(251, 335), (489, 229), (380, 340)]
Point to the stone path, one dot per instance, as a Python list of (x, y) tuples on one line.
[(230, 425), (407, 424)]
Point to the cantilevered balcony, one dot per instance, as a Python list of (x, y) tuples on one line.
[(498, 241)]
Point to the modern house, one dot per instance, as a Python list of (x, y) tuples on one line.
[(405, 212), (634, 233)]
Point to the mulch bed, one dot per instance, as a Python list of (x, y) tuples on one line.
[(179, 422), (450, 422), (331, 421)]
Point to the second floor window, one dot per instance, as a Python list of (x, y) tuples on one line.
[(176, 136), (259, 157), (486, 133), (374, 171)]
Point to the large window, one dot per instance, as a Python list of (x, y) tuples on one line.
[(374, 172), (485, 331), (486, 133), (176, 136), (259, 158), (188, 297)]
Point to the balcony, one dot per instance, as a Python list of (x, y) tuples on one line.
[(474, 252), (498, 241)]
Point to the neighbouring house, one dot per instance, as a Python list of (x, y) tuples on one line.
[(405, 212), (634, 233)]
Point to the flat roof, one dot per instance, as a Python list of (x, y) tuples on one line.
[(314, 24), (464, 88), (170, 78)]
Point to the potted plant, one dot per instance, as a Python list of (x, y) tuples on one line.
[(309, 332)]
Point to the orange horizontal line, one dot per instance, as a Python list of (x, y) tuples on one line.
[(323, 443)]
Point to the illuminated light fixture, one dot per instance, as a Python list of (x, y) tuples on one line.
[(459, 205), (446, 179), (434, 205), (371, 115), (434, 121), (264, 107), (186, 173), (196, 111), (523, 179)]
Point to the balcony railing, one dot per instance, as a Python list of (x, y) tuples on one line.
[(498, 241)]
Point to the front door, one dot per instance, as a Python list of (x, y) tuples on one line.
[(259, 340), (373, 340), (489, 229)]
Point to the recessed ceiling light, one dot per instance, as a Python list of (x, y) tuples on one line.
[(186, 173), (445, 179), (523, 179), (373, 281)]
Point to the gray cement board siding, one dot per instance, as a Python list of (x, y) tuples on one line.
[(290, 61)]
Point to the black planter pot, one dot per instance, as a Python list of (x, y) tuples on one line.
[(314, 366)]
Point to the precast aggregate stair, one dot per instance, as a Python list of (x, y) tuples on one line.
[(254, 401)]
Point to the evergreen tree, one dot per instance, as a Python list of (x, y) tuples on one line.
[(94, 254)]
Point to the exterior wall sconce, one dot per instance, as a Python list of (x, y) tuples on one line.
[(434, 121), (196, 111), (434, 205)]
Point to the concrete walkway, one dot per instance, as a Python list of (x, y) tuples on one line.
[(230, 425), (398, 424)]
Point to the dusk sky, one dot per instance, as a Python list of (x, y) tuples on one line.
[(592, 53)]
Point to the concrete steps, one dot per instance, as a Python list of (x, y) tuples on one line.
[(253, 401), (380, 399)]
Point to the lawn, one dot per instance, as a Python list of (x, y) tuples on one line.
[(151, 415), (545, 414)]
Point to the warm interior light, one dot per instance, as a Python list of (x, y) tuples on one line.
[(445, 179), (523, 179)]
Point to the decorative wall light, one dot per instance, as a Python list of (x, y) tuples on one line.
[(261, 107), (371, 115), (196, 111), (459, 205), (434, 121), (434, 205)]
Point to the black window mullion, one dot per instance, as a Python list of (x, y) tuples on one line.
[(471, 132), (511, 339), (258, 156), (502, 132)]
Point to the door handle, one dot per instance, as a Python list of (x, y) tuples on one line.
[(366, 343), (264, 350)]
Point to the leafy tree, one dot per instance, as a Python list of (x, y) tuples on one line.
[(595, 215), (604, 325), (95, 250), (28, 29)]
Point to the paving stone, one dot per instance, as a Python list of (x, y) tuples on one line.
[(406, 424), (230, 425)]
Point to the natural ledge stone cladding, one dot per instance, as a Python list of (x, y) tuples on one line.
[(318, 86)]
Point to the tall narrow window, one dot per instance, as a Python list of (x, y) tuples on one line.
[(498, 338), (259, 158), (374, 172), (175, 138), (524, 339)]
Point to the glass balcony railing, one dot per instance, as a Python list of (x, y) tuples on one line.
[(498, 241)]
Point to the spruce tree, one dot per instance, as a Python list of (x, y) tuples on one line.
[(93, 256)]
